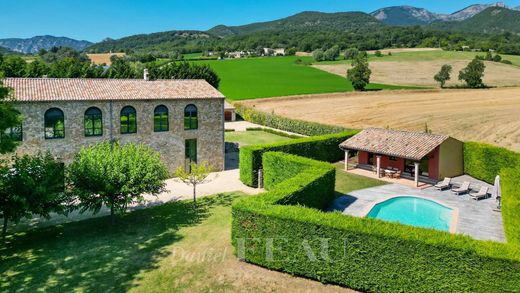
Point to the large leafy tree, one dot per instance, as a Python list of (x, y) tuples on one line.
[(473, 74), (32, 185), (116, 176), (443, 75), (360, 73), (9, 117)]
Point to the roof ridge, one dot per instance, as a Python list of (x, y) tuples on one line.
[(407, 131), (104, 79)]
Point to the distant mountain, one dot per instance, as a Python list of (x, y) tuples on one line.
[(309, 20), (408, 15), (161, 40), (305, 21), (468, 12), (5, 50), (491, 21), (34, 44)]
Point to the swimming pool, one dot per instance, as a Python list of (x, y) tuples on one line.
[(413, 211)]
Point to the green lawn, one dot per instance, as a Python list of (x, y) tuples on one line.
[(346, 182), (166, 248), (430, 56), (253, 137), (252, 78)]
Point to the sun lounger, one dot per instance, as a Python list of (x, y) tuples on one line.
[(483, 193), (445, 184), (464, 188)]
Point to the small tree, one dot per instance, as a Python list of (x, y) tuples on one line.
[(360, 73), (9, 117), (116, 176), (473, 74), (197, 175), (318, 55), (443, 75), (351, 53), (378, 53), (489, 56), (32, 185), (332, 53)]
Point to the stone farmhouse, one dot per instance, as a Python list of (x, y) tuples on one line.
[(181, 119)]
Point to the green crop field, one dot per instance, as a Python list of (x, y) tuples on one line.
[(253, 78)]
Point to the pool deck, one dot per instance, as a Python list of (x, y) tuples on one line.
[(475, 218)]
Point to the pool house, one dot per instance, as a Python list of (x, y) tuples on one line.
[(423, 157)]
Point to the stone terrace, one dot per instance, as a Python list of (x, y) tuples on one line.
[(476, 218)]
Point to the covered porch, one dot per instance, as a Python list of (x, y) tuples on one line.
[(401, 156)]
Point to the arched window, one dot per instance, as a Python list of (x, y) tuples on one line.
[(128, 120), (160, 119), (190, 117), (93, 122), (54, 124)]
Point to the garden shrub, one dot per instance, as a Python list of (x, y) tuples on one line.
[(484, 161), (510, 185), (321, 148), (286, 124), (361, 253)]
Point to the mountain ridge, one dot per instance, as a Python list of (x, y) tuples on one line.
[(312, 20), (409, 15), (34, 44)]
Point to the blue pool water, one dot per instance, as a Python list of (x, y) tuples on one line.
[(413, 211)]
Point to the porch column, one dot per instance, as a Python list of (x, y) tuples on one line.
[(416, 174), (346, 160), (378, 166)]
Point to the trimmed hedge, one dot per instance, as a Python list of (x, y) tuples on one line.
[(272, 131), (510, 185), (287, 124), (284, 172), (361, 253), (321, 148), (484, 161)]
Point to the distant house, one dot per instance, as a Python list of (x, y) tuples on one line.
[(183, 120), (422, 156), (464, 48), (229, 112), (236, 55), (273, 52)]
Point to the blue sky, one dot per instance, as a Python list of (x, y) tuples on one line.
[(95, 20)]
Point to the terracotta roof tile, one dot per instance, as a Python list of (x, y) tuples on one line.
[(82, 89), (402, 144)]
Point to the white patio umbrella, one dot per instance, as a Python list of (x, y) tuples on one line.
[(496, 190)]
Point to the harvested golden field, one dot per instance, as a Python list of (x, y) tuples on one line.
[(491, 116), (420, 73), (404, 50), (100, 59)]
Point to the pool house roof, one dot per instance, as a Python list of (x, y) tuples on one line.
[(396, 143)]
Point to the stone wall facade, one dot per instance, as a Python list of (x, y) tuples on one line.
[(170, 144)]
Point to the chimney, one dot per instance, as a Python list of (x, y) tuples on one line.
[(146, 75)]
